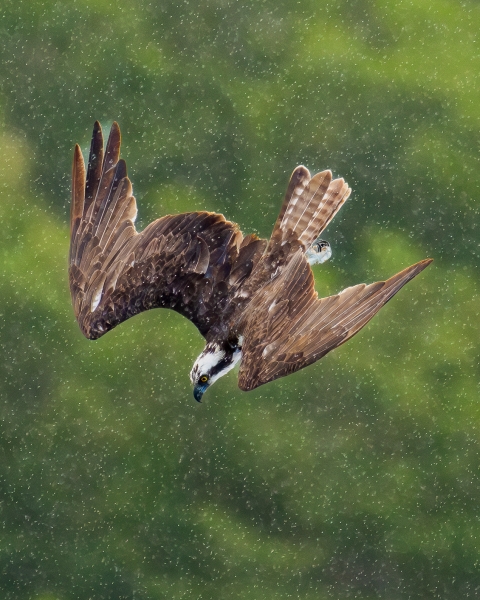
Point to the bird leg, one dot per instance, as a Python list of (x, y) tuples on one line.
[(319, 252)]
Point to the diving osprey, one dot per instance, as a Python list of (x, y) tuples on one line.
[(253, 300)]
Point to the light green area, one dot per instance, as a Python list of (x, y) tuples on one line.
[(357, 477)]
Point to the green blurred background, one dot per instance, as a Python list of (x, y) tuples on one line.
[(355, 478)]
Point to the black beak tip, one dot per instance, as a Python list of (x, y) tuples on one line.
[(198, 393)]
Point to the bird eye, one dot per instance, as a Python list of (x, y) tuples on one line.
[(203, 379)]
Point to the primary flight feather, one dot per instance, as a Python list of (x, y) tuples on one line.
[(253, 300)]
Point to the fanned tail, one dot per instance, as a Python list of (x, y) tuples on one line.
[(310, 204)]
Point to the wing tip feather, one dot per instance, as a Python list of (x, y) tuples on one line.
[(413, 270), (78, 186), (425, 262)]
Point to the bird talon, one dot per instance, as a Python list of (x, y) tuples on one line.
[(319, 252)]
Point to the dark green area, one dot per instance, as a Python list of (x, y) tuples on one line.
[(355, 478)]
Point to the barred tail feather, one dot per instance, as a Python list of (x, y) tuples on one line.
[(337, 194), (309, 205)]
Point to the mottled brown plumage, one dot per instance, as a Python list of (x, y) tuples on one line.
[(251, 299), (289, 327), (181, 261)]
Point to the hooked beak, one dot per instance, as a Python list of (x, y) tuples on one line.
[(198, 392)]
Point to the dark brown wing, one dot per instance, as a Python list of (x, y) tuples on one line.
[(289, 327), (183, 262)]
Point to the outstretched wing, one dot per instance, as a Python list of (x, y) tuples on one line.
[(289, 327), (182, 262)]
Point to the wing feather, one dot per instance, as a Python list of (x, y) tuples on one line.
[(332, 201), (306, 328), (95, 163), (78, 188), (116, 272)]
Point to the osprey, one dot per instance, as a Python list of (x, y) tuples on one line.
[(253, 300)]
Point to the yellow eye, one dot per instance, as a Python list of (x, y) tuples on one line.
[(203, 379)]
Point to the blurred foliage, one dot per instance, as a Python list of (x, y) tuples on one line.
[(355, 478)]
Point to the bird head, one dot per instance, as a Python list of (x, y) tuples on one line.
[(216, 360)]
